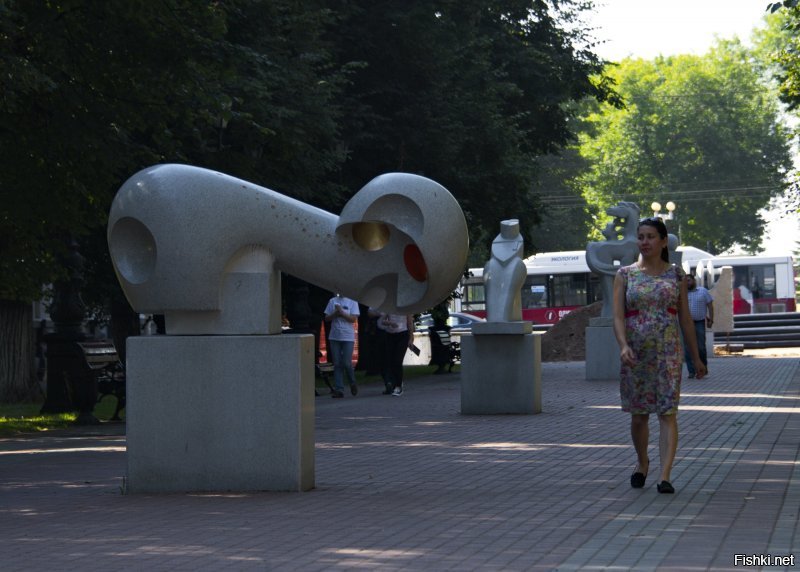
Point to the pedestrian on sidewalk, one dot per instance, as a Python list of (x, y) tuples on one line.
[(342, 313), (395, 331), (650, 305), (701, 307)]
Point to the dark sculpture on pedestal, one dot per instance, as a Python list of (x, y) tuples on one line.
[(619, 249)]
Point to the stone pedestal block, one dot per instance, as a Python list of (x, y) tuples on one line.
[(506, 328), (602, 350), (220, 413), (501, 374)]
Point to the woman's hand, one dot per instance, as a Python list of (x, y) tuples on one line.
[(700, 370), (627, 356)]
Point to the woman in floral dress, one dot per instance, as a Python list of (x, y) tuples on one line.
[(649, 305)]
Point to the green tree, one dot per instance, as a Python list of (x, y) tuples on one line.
[(94, 91), (703, 132), (567, 220), (778, 45), (78, 88), (310, 97), (469, 93)]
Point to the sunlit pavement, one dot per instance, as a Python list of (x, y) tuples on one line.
[(408, 483)]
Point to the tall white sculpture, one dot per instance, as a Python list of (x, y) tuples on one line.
[(504, 275), (719, 282), (501, 358), (219, 403)]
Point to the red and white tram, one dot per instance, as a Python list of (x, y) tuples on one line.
[(559, 282)]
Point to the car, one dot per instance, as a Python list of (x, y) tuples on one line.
[(458, 322)]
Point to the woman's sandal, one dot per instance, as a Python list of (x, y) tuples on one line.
[(665, 487), (638, 478)]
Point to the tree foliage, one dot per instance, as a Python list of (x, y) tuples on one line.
[(567, 219), (91, 92), (312, 98), (94, 91), (469, 94), (779, 46), (702, 131)]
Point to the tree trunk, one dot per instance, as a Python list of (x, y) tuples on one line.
[(17, 353)]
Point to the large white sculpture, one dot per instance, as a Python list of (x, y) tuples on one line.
[(216, 404), (205, 249)]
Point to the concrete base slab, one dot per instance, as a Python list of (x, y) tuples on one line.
[(501, 373), (508, 328), (602, 353), (220, 413)]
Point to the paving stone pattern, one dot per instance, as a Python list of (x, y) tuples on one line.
[(408, 483)]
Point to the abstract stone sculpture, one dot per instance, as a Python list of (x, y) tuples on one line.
[(504, 275), (501, 358), (206, 249), (217, 405), (619, 249), (719, 282)]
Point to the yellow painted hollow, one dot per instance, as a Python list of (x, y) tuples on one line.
[(371, 236)]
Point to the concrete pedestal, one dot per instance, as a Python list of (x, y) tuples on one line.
[(602, 350), (501, 373), (220, 413)]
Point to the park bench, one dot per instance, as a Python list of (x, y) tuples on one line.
[(444, 351), (103, 364)]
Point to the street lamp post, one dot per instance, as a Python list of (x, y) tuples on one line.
[(671, 207), (656, 206)]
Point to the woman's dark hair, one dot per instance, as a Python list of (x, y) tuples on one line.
[(659, 225)]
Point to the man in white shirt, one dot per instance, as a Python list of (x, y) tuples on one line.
[(342, 313)]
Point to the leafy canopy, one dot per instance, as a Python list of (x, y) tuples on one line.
[(703, 132), (310, 97), (470, 93), (94, 91)]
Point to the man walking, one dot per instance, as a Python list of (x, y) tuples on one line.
[(701, 307), (342, 313)]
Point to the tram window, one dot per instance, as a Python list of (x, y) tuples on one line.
[(595, 291), (740, 277), (570, 290), (474, 298), (534, 292), (762, 281)]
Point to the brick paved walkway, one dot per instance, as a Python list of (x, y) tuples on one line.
[(410, 484)]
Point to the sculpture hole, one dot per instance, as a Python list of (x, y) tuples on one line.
[(133, 249), (371, 235), (415, 263)]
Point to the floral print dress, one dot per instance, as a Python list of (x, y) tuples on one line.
[(653, 383)]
